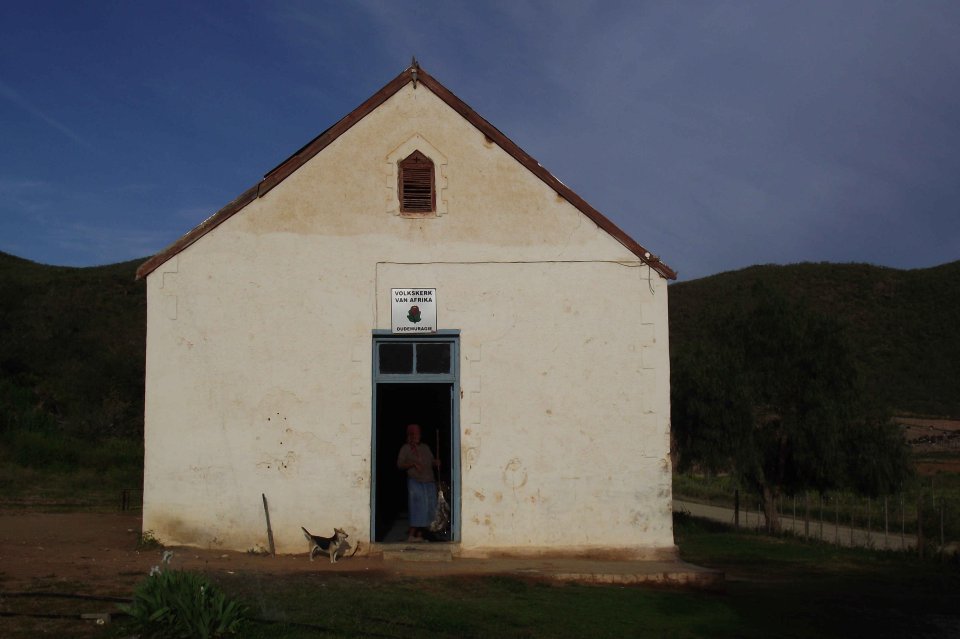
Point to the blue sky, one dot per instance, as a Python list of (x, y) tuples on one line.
[(717, 134)]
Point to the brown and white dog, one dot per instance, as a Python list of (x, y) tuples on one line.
[(329, 545)]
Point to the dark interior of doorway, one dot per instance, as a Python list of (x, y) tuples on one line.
[(398, 405)]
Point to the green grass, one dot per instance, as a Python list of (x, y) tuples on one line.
[(776, 587), (47, 463), (812, 589), (68, 489), (475, 607), (713, 489)]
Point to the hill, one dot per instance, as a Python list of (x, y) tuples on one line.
[(903, 323), (72, 346), (72, 340)]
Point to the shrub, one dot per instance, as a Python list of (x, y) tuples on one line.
[(43, 449), (147, 540), (177, 603)]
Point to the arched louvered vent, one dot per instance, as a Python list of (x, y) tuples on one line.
[(417, 194)]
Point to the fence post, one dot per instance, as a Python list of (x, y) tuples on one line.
[(736, 509), (869, 513), (806, 514), (886, 523), (942, 540), (853, 510), (836, 523), (920, 525), (903, 525), (821, 516), (779, 505)]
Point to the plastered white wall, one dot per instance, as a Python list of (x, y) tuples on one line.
[(259, 354)]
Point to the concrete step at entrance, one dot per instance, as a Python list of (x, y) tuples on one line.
[(417, 552)]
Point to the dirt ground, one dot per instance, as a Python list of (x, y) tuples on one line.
[(96, 553), (84, 553)]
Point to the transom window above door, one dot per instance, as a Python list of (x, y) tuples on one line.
[(414, 358)]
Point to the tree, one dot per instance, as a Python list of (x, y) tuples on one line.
[(774, 396)]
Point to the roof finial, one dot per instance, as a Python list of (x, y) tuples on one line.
[(414, 67)]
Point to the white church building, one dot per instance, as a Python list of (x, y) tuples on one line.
[(285, 356)]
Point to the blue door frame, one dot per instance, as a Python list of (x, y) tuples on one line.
[(452, 378)]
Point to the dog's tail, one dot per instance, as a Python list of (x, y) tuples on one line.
[(306, 533)]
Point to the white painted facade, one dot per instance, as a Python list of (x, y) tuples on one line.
[(259, 354)]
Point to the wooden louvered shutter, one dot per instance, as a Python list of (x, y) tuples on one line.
[(416, 184)]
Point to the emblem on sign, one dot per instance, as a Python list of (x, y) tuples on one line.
[(414, 314)]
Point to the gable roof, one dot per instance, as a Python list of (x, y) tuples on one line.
[(415, 74)]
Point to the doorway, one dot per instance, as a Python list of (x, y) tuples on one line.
[(415, 382)]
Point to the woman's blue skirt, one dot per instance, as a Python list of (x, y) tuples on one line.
[(422, 501)]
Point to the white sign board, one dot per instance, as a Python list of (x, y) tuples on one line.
[(414, 310)]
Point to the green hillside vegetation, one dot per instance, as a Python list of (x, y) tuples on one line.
[(903, 324), (71, 366)]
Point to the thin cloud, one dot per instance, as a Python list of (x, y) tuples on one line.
[(9, 93), (11, 185)]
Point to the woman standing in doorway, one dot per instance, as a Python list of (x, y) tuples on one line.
[(417, 459)]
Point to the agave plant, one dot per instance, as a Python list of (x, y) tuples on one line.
[(177, 603)]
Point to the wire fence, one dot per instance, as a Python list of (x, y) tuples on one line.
[(891, 523), (131, 499), (926, 522)]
